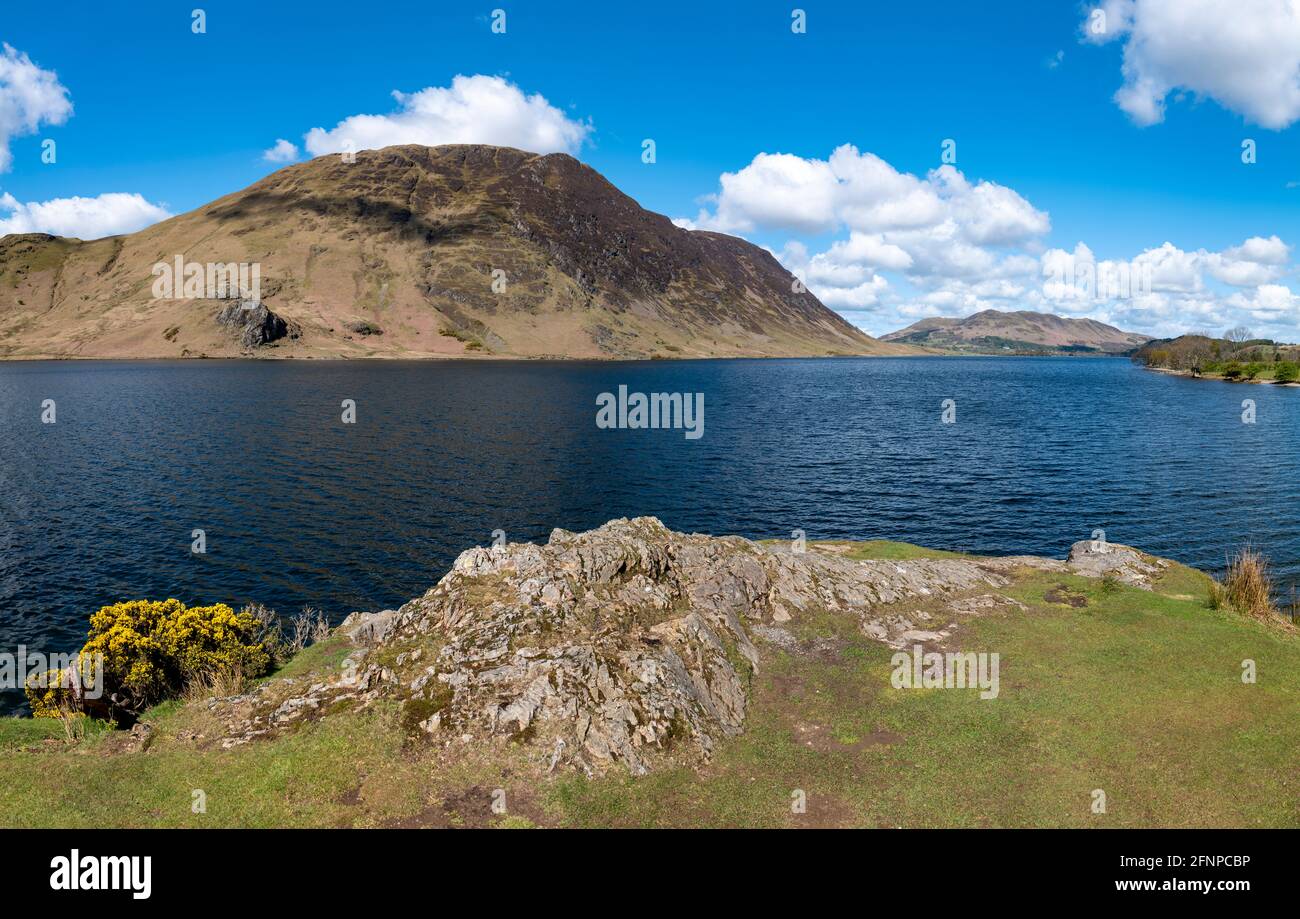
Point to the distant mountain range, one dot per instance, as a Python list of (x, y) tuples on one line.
[(412, 251), (1022, 332)]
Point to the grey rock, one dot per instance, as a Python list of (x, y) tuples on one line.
[(1097, 558), (368, 628), (631, 645), (254, 324)]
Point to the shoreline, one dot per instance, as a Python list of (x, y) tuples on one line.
[(1215, 376)]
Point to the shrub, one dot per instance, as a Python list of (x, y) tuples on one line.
[(1252, 370), (309, 627), (1247, 585), (57, 693), (1286, 372), (151, 650), (1232, 370)]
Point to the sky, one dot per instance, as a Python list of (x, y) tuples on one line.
[(1137, 161)]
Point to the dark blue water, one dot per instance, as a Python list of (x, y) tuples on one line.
[(301, 509)]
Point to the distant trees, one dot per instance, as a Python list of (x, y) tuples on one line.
[(1158, 357), (1243, 358), (1238, 334)]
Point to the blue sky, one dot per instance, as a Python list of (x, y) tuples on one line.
[(180, 118)]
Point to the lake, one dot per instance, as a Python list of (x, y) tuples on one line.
[(299, 508)]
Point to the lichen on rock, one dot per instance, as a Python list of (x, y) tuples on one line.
[(629, 644)]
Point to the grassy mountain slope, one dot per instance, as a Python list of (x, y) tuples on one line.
[(395, 256)]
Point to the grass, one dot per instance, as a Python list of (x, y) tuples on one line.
[(1137, 694), (1134, 692), (874, 549), (886, 550), (1247, 586)]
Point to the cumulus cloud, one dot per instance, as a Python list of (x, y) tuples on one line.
[(858, 190), (1256, 261), (473, 110), (931, 229), (904, 247), (1268, 303), (29, 97), (84, 218), (1164, 291), (282, 152), (1244, 55)]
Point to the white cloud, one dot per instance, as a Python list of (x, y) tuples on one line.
[(473, 110), (1244, 54), (1163, 292), (870, 249), (1256, 261), (905, 246), (989, 214), (776, 190), (1269, 303), (930, 228), (282, 152), (859, 297), (1171, 268), (1271, 251), (83, 218), (29, 97)]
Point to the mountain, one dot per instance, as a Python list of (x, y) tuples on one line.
[(1023, 332), (415, 251)]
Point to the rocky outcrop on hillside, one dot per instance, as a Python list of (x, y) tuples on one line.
[(630, 644), (254, 324), (1097, 558)]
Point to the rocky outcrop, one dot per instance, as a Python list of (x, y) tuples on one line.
[(1097, 558), (254, 324), (630, 644)]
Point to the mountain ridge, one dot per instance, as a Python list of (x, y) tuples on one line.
[(1018, 332), (411, 251)]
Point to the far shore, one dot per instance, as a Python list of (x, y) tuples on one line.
[(480, 357), (1215, 376)]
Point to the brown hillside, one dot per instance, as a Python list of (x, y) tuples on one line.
[(1024, 331), (394, 256)]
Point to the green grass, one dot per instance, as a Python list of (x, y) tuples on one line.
[(886, 550), (1136, 693), (882, 549)]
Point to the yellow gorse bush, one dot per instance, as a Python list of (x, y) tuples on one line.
[(152, 648)]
